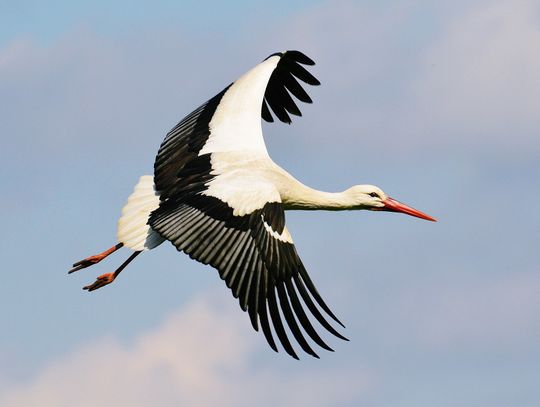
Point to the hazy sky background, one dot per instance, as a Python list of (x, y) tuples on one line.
[(435, 102)]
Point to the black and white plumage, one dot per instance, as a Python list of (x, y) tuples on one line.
[(217, 196)]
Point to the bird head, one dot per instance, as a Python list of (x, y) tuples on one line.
[(373, 198)]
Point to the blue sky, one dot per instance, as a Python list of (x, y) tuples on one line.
[(436, 104)]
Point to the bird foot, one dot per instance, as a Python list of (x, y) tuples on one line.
[(89, 261), (101, 281)]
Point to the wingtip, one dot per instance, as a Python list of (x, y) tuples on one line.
[(301, 58), (275, 54)]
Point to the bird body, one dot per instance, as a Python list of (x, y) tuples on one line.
[(217, 196), (244, 184)]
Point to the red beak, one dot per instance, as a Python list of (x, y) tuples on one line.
[(391, 205)]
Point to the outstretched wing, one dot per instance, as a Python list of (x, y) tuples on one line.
[(255, 255), (231, 120), (239, 228)]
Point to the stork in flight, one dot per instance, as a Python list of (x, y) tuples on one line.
[(217, 196)]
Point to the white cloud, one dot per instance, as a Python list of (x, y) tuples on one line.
[(200, 356)]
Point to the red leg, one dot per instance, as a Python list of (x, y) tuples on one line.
[(108, 278), (89, 261)]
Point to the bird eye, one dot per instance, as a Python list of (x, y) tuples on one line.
[(374, 195)]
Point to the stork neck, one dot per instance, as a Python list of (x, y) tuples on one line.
[(305, 198)]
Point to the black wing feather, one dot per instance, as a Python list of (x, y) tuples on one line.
[(294, 87), (301, 73), (283, 81), (278, 325), (263, 314), (252, 262), (265, 112), (313, 308), (277, 104), (300, 58), (181, 146), (291, 321), (302, 317)]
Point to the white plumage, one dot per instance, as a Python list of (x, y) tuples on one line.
[(217, 196), (236, 123), (133, 229)]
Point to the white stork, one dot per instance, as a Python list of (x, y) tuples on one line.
[(217, 196)]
